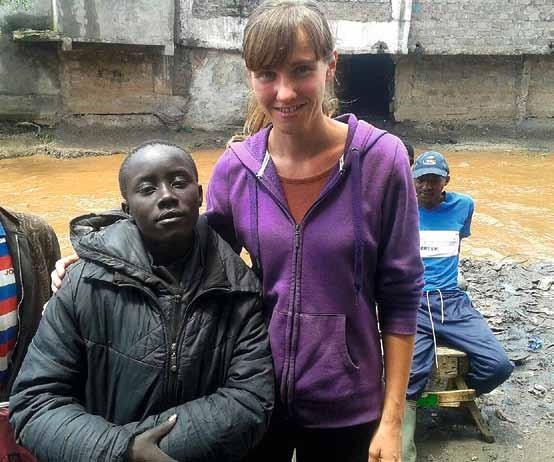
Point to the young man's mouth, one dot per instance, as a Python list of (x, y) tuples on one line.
[(170, 216)]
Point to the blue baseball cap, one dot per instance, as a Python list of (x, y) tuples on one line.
[(430, 162)]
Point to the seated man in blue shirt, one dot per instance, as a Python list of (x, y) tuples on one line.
[(446, 314)]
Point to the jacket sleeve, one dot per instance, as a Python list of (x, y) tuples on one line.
[(218, 202), (399, 275), (45, 405), (228, 423)]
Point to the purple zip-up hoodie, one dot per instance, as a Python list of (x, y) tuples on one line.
[(357, 246)]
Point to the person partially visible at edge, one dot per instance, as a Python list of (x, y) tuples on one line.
[(155, 347), (28, 249), (446, 314), (327, 210), (411, 154)]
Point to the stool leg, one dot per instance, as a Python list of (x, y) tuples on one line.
[(479, 421), (476, 413)]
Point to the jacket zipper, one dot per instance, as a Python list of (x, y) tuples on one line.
[(20, 301), (177, 335)]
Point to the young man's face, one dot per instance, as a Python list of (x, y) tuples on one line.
[(163, 195), (429, 189)]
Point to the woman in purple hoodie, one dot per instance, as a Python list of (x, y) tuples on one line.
[(326, 208)]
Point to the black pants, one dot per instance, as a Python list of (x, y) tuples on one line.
[(350, 444)]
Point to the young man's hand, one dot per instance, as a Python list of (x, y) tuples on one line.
[(59, 272), (144, 447)]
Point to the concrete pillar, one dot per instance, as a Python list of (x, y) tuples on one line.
[(523, 77)]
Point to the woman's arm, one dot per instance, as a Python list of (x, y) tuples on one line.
[(386, 443)]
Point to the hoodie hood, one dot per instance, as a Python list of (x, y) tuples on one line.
[(112, 241)]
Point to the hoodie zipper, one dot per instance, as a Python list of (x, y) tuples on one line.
[(287, 385)]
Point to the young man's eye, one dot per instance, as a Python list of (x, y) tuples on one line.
[(180, 184), (145, 189)]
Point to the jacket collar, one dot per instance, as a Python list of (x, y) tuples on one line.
[(9, 221), (112, 242)]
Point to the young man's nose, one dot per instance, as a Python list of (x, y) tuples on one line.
[(166, 194)]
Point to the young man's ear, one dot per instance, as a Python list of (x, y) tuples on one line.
[(200, 196), (447, 180), (125, 207)]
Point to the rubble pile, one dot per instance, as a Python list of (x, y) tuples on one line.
[(518, 302)]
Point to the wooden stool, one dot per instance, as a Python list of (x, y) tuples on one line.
[(447, 388)]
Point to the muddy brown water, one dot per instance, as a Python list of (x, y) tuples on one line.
[(513, 192)]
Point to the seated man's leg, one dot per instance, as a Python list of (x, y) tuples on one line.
[(465, 329)]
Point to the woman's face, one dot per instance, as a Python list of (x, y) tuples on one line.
[(293, 93)]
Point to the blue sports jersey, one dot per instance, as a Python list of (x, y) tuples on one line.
[(441, 230)]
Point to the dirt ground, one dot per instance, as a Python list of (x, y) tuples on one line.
[(516, 298)]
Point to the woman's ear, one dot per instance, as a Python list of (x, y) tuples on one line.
[(332, 65)]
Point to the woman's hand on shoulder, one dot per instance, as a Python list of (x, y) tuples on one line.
[(59, 272)]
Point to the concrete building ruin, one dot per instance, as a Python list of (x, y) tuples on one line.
[(178, 61)]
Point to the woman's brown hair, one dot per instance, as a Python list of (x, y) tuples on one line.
[(269, 38)]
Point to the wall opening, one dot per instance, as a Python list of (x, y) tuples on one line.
[(366, 85)]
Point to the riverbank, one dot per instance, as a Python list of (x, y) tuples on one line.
[(80, 137), (517, 301)]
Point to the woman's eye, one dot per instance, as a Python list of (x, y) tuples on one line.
[(302, 70), (265, 76)]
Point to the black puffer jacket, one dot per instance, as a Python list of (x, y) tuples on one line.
[(108, 362)]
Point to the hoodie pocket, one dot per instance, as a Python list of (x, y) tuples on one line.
[(323, 368)]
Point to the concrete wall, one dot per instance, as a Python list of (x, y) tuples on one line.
[(135, 22), (478, 27), (29, 80), (218, 89), (435, 88), (37, 16), (359, 25), (115, 80), (540, 101)]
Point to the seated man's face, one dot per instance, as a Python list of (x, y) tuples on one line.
[(429, 190), (163, 195)]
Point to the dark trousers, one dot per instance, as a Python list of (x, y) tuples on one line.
[(464, 329), (350, 444)]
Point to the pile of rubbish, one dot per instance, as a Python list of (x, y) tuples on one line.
[(518, 303)]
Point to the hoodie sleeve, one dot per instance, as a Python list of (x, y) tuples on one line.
[(218, 203), (45, 407), (399, 276)]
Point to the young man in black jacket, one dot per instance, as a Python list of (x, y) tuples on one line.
[(155, 347)]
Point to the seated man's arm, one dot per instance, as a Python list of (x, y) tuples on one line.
[(45, 407), (228, 423)]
